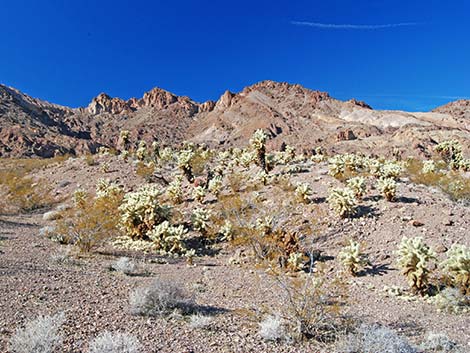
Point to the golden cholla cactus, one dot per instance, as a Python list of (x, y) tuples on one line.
[(200, 220), (342, 201), (413, 257), (358, 185), (457, 266), (388, 188), (258, 142), (199, 193), (352, 258), (174, 191), (303, 191)]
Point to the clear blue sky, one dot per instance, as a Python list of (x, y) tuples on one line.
[(394, 54)]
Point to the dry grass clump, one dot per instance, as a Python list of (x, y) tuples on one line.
[(114, 342), (160, 298)]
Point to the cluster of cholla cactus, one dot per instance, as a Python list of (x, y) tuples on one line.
[(303, 192), (414, 256), (342, 201), (124, 136), (167, 238), (215, 185), (352, 258), (141, 211), (141, 152), (199, 193), (258, 142), (226, 230), (457, 267), (451, 152), (264, 225), (107, 188), (200, 219), (388, 188), (358, 185), (390, 169), (185, 157), (174, 190)]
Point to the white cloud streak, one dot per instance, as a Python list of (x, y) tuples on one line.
[(353, 26)]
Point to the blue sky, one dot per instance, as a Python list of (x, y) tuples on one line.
[(411, 55)]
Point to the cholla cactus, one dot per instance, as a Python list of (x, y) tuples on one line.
[(265, 225), (106, 188), (199, 193), (79, 197), (141, 211), (413, 256), (465, 165), (105, 167), (258, 142), (358, 185), (457, 266), (104, 151), (226, 230), (428, 167), (296, 261), (215, 185), (336, 166), (303, 191), (246, 158), (141, 152), (200, 220), (174, 191), (451, 152), (184, 163), (352, 258), (390, 169), (166, 154), (342, 201), (124, 136), (388, 188), (168, 238), (124, 155), (262, 177)]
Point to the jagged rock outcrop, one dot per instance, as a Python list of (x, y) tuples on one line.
[(290, 114)]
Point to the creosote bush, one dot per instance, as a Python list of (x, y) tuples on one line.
[(38, 336)]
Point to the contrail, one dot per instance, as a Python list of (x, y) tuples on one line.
[(351, 26)]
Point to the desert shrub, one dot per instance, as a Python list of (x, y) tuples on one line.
[(303, 191), (451, 300), (457, 267), (342, 201), (141, 211), (145, 170), (437, 342), (90, 160), (258, 143), (200, 218), (352, 258), (413, 257), (388, 188), (124, 265), (114, 342), (91, 222), (199, 321), (375, 339), (160, 298), (358, 185), (273, 328), (311, 307), (38, 336), (79, 197)]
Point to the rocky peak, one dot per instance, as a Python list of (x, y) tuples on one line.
[(225, 100), (103, 103), (158, 98)]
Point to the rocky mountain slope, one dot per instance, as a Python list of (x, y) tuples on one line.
[(290, 113)]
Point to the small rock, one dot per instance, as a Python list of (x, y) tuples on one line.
[(448, 222), (51, 215), (64, 183), (440, 248), (416, 223)]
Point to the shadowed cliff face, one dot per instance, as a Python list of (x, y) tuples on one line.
[(290, 114)]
